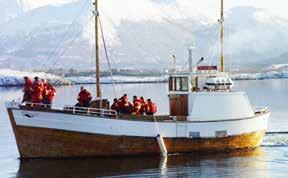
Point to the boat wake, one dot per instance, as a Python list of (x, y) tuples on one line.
[(275, 140)]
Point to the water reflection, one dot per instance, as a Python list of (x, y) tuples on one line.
[(188, 165)]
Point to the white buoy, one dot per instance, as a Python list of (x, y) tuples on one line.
[(162, 145)]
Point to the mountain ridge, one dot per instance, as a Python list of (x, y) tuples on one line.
[(250, 42)]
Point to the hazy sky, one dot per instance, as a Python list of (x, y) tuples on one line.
[(156, 10), (137, 9)]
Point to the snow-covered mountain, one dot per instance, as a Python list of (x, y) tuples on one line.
[(60, 36)]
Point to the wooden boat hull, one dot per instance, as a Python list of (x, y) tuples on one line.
[(39, 142)]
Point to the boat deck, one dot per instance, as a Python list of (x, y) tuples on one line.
[(111, 114)]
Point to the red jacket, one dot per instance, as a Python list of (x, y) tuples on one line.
[(28, 86), (137, 106), (45, 90), (37, 91), (50, 93), (115, 106), (27, 91), (84, 96), (151, 107)]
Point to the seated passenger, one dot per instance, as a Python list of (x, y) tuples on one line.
[(143, 105), (84, 98), (116, 105), (126, 107), (151, 108), (137, 105)]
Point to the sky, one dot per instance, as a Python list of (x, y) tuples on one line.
[(206, 11), (139, 9)]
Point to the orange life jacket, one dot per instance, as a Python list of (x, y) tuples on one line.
[(37, 89), (27, 91), (151, 108), (50, 93), (137, 106)]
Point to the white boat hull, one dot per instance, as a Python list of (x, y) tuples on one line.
[(56, 134)]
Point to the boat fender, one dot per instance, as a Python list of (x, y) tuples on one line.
[(162, 145)]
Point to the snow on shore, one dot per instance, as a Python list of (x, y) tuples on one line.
[(118, 79), (10, 77), (260, 76), (131, 79)]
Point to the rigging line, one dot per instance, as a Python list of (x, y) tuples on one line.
[(214, 47), (70, 44), (107, 57), (92, 56), (141, 46), (56, 50)]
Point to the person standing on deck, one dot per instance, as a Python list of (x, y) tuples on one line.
[(151, 108), (44, 89), (37, 91), (49, 95), (84, 98), (27, 90)]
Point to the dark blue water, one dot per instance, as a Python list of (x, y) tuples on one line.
[(271, 160)]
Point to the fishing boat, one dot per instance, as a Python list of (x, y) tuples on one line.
[(206, 115)]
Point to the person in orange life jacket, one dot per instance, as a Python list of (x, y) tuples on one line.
[(151, 107), (143, 105), (116, 105), (136, 105), (44, 89), (27, 90), (37, 91), (50, 95), (84, 98), (127, 107)]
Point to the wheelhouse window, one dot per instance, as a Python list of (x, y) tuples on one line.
[(178, 84)]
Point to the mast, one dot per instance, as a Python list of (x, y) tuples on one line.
[(222, 37), (96, 13)]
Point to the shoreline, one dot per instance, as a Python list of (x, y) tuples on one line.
[(129, 82)]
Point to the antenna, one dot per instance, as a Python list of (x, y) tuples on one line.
[(221, 21), (174, 62), (190, 59)]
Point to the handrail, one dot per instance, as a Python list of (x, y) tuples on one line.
[(75, 109), (90, 111)]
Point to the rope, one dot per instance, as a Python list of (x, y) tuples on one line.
[(107, 57), (58, 48), (76, 36)]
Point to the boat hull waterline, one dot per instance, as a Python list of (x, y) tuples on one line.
[(37, 139)]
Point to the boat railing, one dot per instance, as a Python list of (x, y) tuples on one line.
[(73, 109), (90, 111)]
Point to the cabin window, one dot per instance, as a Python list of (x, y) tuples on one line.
[(184, 84), (178, 84), (171, 83)]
